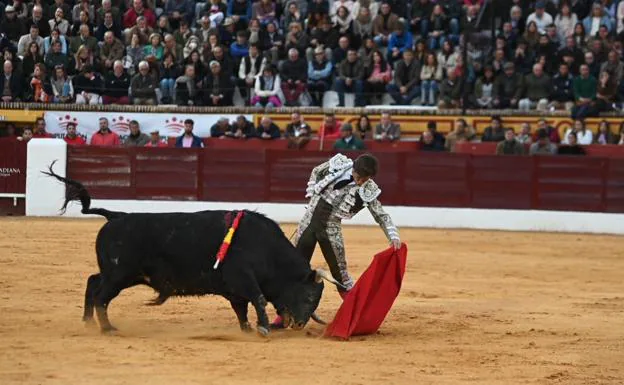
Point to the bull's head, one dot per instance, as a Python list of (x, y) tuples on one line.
[(305, 299)]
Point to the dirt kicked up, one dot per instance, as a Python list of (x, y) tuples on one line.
[(475, 308)]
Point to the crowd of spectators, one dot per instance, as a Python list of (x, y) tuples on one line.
[(545, 54), (542, 139)]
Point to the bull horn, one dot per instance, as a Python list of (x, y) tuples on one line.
[(318, 319), (322, 274)]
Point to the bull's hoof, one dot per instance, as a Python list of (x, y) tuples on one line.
[(246, 327), (264, 332), (108, 329), (89, 322)]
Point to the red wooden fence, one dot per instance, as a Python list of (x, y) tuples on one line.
[(407, 178), (12, 174)]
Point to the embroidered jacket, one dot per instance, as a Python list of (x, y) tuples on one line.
[(349, 199)]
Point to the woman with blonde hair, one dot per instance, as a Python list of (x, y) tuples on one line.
[(84, 57)]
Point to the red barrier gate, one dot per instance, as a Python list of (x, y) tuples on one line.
[(12, 176), (406, 178)]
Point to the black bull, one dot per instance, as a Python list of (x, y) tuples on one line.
[(174, 254)]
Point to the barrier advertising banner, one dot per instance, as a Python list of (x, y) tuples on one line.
[(169, 124), (12, 166)]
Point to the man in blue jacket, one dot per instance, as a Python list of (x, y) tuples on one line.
[(188, 139)]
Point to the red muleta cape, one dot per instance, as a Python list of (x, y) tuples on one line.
[(366, 305)]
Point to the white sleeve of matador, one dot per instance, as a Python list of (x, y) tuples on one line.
[(383, 218), (314, 178)]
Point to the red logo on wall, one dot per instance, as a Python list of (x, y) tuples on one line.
[(120, 124), (63, 120), (174, 125)]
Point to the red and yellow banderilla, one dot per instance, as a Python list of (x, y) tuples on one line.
[(228, 239)]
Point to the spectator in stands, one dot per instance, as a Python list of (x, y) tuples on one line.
[(178, 10), (116, 84), (571, 147), (597, 19), (603, 134), (297, 38), (84, 39), (12, 26), (347, 140), (495, 131), (136, 138), (451, 92), (240, 13), (251, 66), (384, 24), (30, 59), (10, 84), (319, 76), (387, 129), (406, 86), (551, 132), (363, 127), (563, 92), (142, 31), (330, 128), (462, 133), (536, 90), (104, 136), (83, 58), (220, 129), (138, 9), (363, 23), (428, 143), (542, 145), (540, 17), (400, 40), (188, 139), (294, 75), (218, 88), (585, 87), (349, 78), (55, 36), (339, 53), (509, 145), (264, 11), (108, 24), (39, 90), (583, 135), (88, 87), (25, 40), (62, 88), (71, 136), (379, 75), (187, 92), (143, 86), (298, 132), (155, 140), (26, 135), (525, 134), (430, 77), (438, 137), (565, 21), (267, 88), (40, 129), (241, 128), (507, 88), (56, 58), (605, 93), (169, 72), (112, 50), (268, 130)]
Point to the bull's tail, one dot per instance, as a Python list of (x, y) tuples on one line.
[(76, 192)]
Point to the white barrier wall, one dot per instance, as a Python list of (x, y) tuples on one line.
[(44, 197)]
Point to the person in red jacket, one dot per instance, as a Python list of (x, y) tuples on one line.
[(72, 138), (105, 137), (39, 131), (330, 128), (139, 9), (155, 140)]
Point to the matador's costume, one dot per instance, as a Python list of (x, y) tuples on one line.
[(334, 196)]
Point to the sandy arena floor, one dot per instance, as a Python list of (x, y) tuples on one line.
[(476, 307)]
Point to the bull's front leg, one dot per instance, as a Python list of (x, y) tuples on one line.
[(260, 304), (240, 308)]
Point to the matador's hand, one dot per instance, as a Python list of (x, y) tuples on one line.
[(396, 244)]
